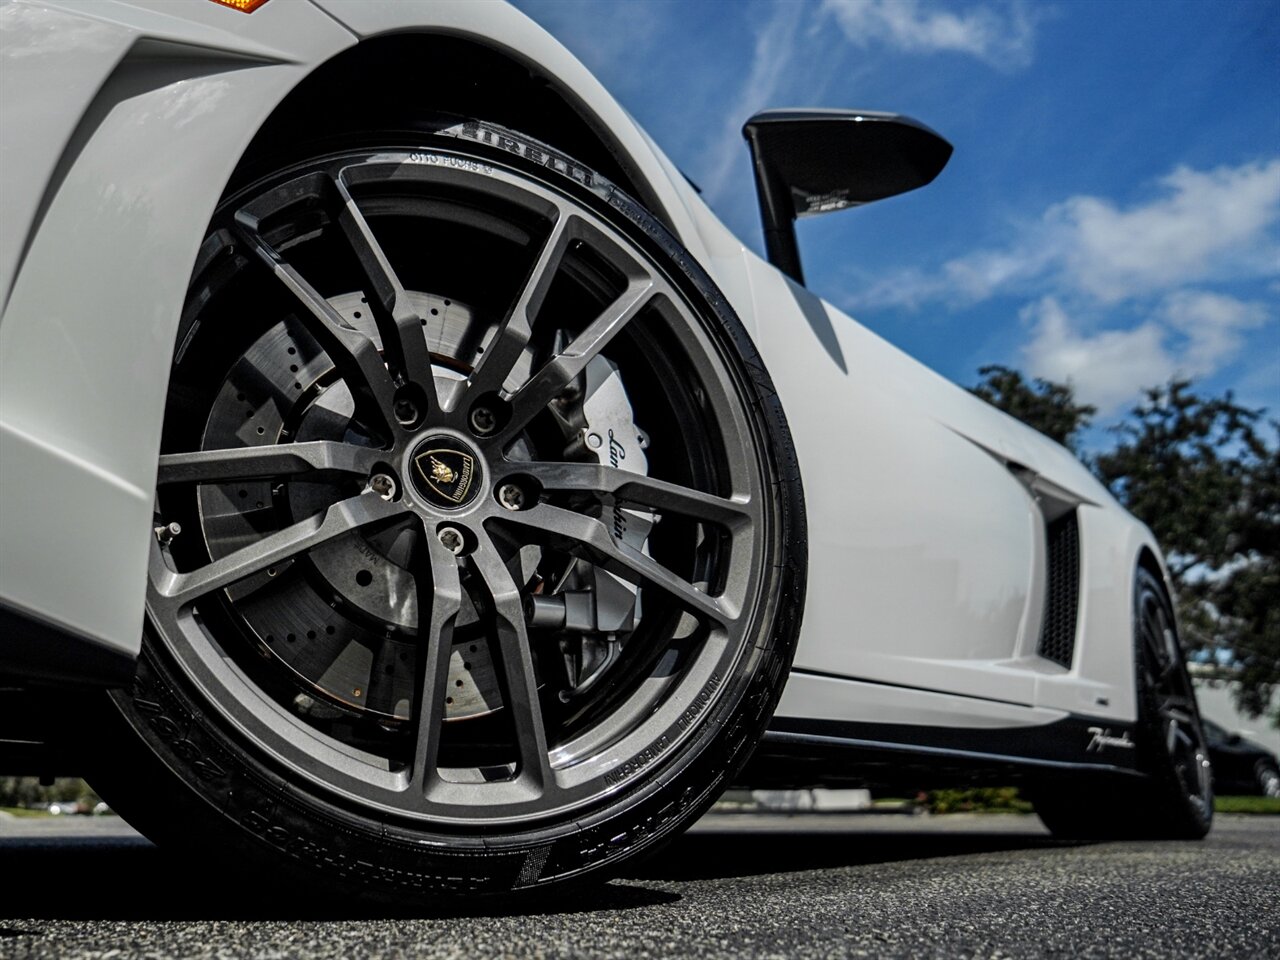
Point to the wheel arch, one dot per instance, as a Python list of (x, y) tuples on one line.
[(1149, 559), (376, 85), (178, 99)]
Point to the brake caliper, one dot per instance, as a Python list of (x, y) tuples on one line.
[(598, 610)]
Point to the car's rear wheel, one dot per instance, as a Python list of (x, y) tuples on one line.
[(480, 538), (1171, 744), (1174, 798)]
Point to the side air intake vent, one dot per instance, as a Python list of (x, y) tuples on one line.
[(1062, 599)]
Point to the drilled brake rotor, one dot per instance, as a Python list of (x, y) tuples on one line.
[(344, 619)]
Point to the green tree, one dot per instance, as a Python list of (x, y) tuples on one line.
[(1202, 474), (1047, 406), (28, 792)]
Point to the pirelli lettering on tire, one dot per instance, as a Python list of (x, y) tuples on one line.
[(535, 153)]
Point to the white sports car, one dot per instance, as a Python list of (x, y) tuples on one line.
[(414, 463)]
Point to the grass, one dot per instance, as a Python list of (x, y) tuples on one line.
[(1247, 805), (26, 812), (978, 800)]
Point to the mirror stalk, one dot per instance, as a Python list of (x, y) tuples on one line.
[(777, 212)]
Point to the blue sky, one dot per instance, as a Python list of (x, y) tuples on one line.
[(1111, 215)]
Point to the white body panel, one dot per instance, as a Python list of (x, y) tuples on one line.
[(926, 562), (91, 316)]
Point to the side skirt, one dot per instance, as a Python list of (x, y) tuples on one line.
[(38, 651), (47, 674), (798, 753)]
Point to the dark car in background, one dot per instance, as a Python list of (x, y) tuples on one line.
[(1241, 766)]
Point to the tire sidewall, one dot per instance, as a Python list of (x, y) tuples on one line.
[(195, 764)]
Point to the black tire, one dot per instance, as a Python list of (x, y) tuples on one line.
[(1174, 798), (1268, 777), (181, 763)]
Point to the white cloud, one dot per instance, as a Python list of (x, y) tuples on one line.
[(1180, 237), (1093, 255), (1204, 225), (1213, 325), (1002, 38), (1190, 333), (1105, 368), (775, 44)]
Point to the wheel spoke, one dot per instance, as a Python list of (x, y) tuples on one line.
[(637, 489), (590, 538), (179, 589), (400, 326), (265, 462), (517, 328), (1177, 716), (517, 666), (1174, 656), (435, 649), (1152, 637), (561, 370), (355, 355), (1181, 706)]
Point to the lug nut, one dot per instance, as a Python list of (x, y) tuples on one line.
[(452, 540), (166, 533), (406, 412), (511, 496), (383, 486), (483, 420)]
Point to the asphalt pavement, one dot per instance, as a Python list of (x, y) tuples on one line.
[(738, 885)]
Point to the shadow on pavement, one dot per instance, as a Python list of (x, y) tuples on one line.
[(126, 878), (711, 855), (89, 878)]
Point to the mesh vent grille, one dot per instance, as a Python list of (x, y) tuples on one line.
[(1062, 600)]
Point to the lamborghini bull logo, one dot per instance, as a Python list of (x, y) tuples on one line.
[(440, 473), (445, 475)]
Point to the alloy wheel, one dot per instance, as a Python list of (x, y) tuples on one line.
[(1177, 719), (472, 527)]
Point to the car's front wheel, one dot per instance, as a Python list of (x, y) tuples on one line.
[(480, 544)]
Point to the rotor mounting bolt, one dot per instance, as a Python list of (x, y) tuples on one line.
[(452, 540), (483, 420), (511, 496), (383, 485), (166, 533)]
